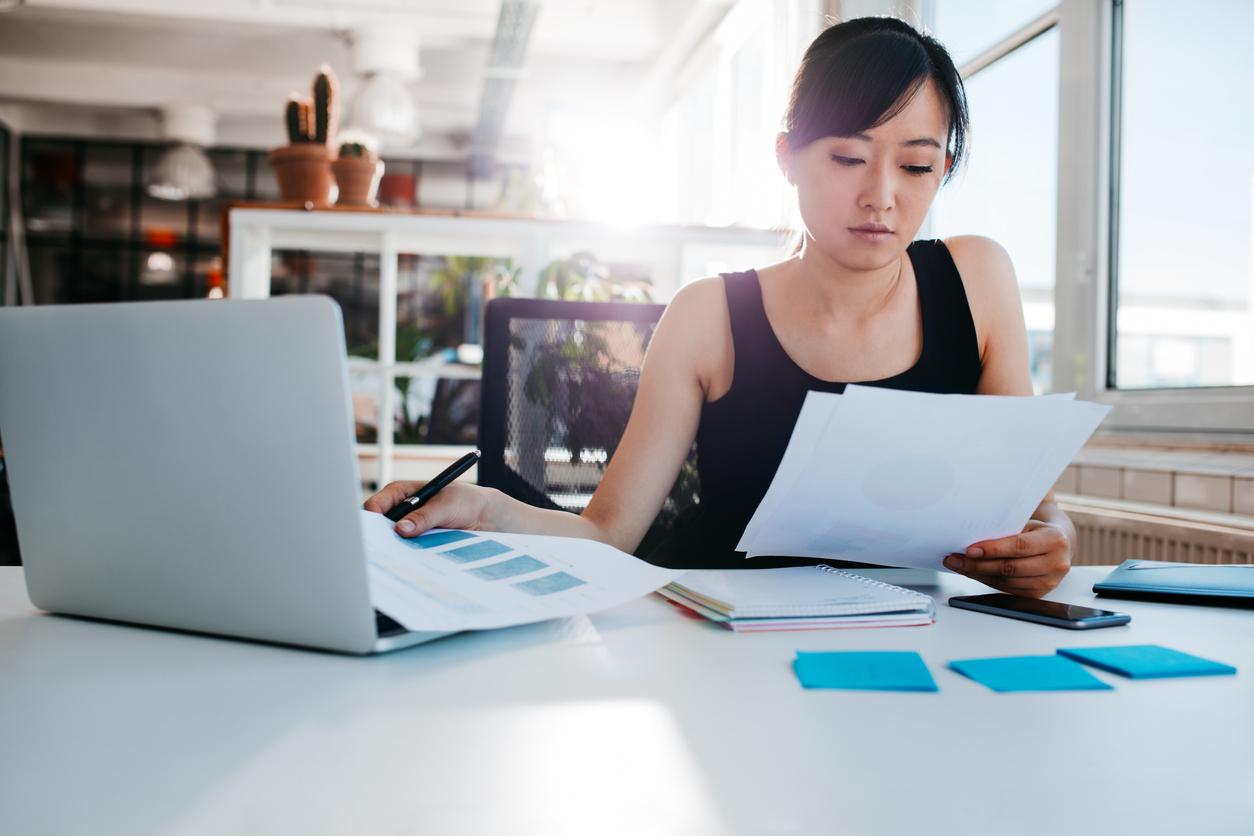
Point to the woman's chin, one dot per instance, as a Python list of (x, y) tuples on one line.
[(858, 255)]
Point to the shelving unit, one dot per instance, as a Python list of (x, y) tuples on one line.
[(671, 256)]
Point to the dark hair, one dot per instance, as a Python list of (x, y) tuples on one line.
[(861, 73)]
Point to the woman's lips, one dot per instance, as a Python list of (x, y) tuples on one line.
[(871, 234)]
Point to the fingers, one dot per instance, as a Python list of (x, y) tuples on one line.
[(392, 493), (450, 508), (1006, 567), (1027, 587), (1029, 563), (1039, 539)]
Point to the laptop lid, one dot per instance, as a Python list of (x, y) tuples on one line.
[(188, 464)]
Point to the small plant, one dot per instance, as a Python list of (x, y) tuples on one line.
[(358, 144), (313, 120)]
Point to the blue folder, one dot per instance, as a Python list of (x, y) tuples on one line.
[(1189, 583)]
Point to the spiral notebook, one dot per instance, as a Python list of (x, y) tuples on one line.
[(798, 598)]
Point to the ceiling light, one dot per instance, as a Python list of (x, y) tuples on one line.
[(184, 171), (383, 105)]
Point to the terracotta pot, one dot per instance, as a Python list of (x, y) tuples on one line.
[(304, 172), (358, 179)]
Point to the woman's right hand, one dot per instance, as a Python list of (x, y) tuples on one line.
[(459, 505)]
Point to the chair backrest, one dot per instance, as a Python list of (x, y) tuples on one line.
[(559, 381)]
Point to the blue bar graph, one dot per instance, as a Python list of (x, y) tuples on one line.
[(476, 551), (439, 538), (508, 568), (547, 585)]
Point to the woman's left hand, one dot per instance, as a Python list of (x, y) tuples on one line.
[(1029, 563)]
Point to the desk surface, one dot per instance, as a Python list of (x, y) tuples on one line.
[(635, 720)]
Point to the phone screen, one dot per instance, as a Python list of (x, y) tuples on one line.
[(1053, 609)]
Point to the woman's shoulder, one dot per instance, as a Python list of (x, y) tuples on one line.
[(988, 277), (983, 264), (695, 331), (697, 313)]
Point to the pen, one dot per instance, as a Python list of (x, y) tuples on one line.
[(433, 487)]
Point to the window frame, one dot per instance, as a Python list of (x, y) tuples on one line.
[(1087, 269)]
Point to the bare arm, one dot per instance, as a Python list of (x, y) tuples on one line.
[(1034, 561), (655, 444)]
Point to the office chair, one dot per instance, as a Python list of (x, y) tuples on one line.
[(559, 381)]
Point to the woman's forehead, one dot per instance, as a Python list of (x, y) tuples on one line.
[(923, 114)]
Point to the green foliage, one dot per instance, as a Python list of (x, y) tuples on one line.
[(353, 149), (582, 277), (412, 344), (452, 281), (582, 385)]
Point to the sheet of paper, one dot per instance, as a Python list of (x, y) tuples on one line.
[(807, 432), (864, 670), (1030, 673), (463, 580), (905, 478)]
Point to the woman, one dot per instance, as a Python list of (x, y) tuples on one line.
[(876, 121)]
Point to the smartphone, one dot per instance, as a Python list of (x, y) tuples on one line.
[(1070, 616)]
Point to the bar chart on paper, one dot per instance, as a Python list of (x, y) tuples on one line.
[(466, 580)]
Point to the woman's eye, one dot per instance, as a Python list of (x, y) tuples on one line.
[(846, 160), (918, 169)]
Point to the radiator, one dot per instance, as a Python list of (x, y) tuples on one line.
[(1107, 534)]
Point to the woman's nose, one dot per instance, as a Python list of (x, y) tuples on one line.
[(877, 192)]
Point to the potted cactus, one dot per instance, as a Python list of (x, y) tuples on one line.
[(357, 170), (303, 166)]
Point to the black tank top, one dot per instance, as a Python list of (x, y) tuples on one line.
[(742, 435)]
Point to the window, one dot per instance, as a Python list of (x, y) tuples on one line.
[(1183, 233), (718, 133), (1007, 190), (1154, 191), (968, 28)]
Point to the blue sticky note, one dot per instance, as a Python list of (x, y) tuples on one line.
[(1030, 673), (864, 670), (1146, 661)]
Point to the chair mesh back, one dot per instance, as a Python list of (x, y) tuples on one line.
[(560, 379)]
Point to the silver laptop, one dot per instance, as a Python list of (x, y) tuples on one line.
[(190, 465)]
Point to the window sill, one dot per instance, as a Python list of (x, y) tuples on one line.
[(1209, 478)]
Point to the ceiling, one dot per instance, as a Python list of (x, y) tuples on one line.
[(107, 67)]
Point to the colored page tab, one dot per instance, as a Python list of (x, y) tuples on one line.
[(1146, 661), (1030, 673), (864, 670)]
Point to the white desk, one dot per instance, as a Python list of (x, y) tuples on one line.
[(636, 720)]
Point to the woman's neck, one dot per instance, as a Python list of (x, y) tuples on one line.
[(830, 289)]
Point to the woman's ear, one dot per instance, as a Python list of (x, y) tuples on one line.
[(949, 161), (783, 155)]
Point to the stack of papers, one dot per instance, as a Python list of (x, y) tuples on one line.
[(798, 598), (906, 478)]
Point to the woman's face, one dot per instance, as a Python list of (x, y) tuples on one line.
[(862, 198)]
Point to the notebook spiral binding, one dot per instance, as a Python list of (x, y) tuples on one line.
[(909, 593)]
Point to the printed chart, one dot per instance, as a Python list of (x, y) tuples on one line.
[(466, 580)]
